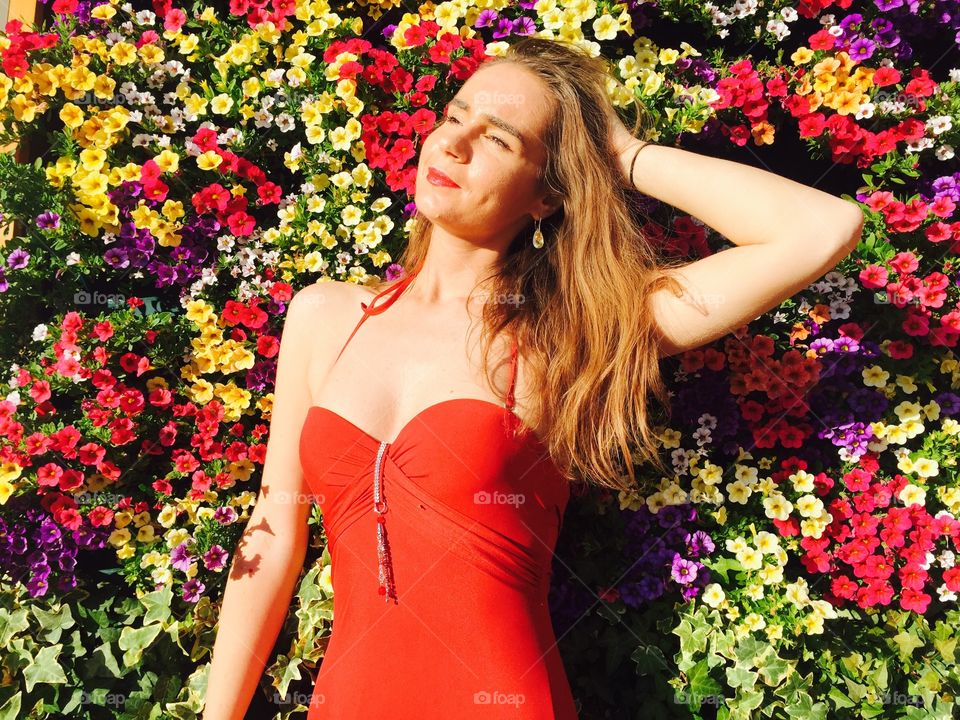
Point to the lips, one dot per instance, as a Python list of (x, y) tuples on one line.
[(438, 178)]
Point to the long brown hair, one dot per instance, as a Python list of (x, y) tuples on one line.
[(584, 326)]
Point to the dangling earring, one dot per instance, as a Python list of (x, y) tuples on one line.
[(538, 236)]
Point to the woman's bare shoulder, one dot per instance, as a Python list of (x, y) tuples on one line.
[(319, 309)]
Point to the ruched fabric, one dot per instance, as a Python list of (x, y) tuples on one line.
[(442, 615)]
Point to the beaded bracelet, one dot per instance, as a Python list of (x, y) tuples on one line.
[(633, 162)]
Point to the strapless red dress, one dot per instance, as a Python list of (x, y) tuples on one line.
[(441, 544)]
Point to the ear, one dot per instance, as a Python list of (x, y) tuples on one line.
[(548, 205)]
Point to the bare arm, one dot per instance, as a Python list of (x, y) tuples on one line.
[(269, 558), (787, 235)]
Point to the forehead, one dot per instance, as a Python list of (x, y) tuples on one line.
[(511, 93)]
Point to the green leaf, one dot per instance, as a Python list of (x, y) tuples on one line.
[(702, 684), (741, 677), (749, 649), (10, 710), (907, 642), (44, 668), (135, 640), (749, 700), (839, 699), (805, 709), (105, 657), (53, 623), (12, 624), (774, 670)]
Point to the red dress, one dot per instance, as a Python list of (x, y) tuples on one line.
[(440, 589)]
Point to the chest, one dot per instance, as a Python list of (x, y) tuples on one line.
[(400, 362)]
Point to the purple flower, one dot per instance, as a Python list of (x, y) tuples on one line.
[(180, 557), (699, 543), (18, 259), (861, 49), (524, 26), (48, 220), (683, 571), (486, 18), (225, 515), (215, 558), (192, 589)]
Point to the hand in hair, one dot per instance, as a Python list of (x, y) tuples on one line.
[(623, 143)]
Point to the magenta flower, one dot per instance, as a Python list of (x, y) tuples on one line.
[(48, 221), (683, 571)]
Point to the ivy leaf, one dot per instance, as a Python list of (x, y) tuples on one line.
[(44, 668), (133, 641), (907, 642), (741, 677), (157, 604), (774, 670), (702, 684)]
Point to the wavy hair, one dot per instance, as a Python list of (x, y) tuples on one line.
[(586, 337)]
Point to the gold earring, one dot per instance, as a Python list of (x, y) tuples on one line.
[(538, 236)]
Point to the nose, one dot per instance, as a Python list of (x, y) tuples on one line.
[(454, 140)]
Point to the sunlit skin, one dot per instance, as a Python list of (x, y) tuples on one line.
[(498, 194)]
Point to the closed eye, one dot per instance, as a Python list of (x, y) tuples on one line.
[(451, 118)]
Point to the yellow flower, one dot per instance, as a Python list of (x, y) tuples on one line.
[(802, 481), (738, 492), (750, 559), (151, 54), (777, 507), (713, 595), (6, 490), (209, 160), (767, 542), (103, 12), (168, 161), (874, 376), (120, 536), (123, 53), (810, 506), (925, 467), (221, 104), (912, 495), (71, 114), (754, 621), (605, 27), (167, 516), (324, 579)]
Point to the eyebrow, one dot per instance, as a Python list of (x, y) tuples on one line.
[(494, 120)]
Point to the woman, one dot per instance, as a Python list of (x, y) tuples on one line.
[(438, 499)]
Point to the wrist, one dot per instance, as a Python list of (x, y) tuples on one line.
[(627, 155), (631, 172)]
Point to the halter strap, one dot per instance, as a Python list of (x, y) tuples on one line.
[(513, 372), (392, 293)]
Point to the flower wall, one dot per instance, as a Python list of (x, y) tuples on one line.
[(193, 166)]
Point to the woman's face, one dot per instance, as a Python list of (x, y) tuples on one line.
[(476, 145)]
